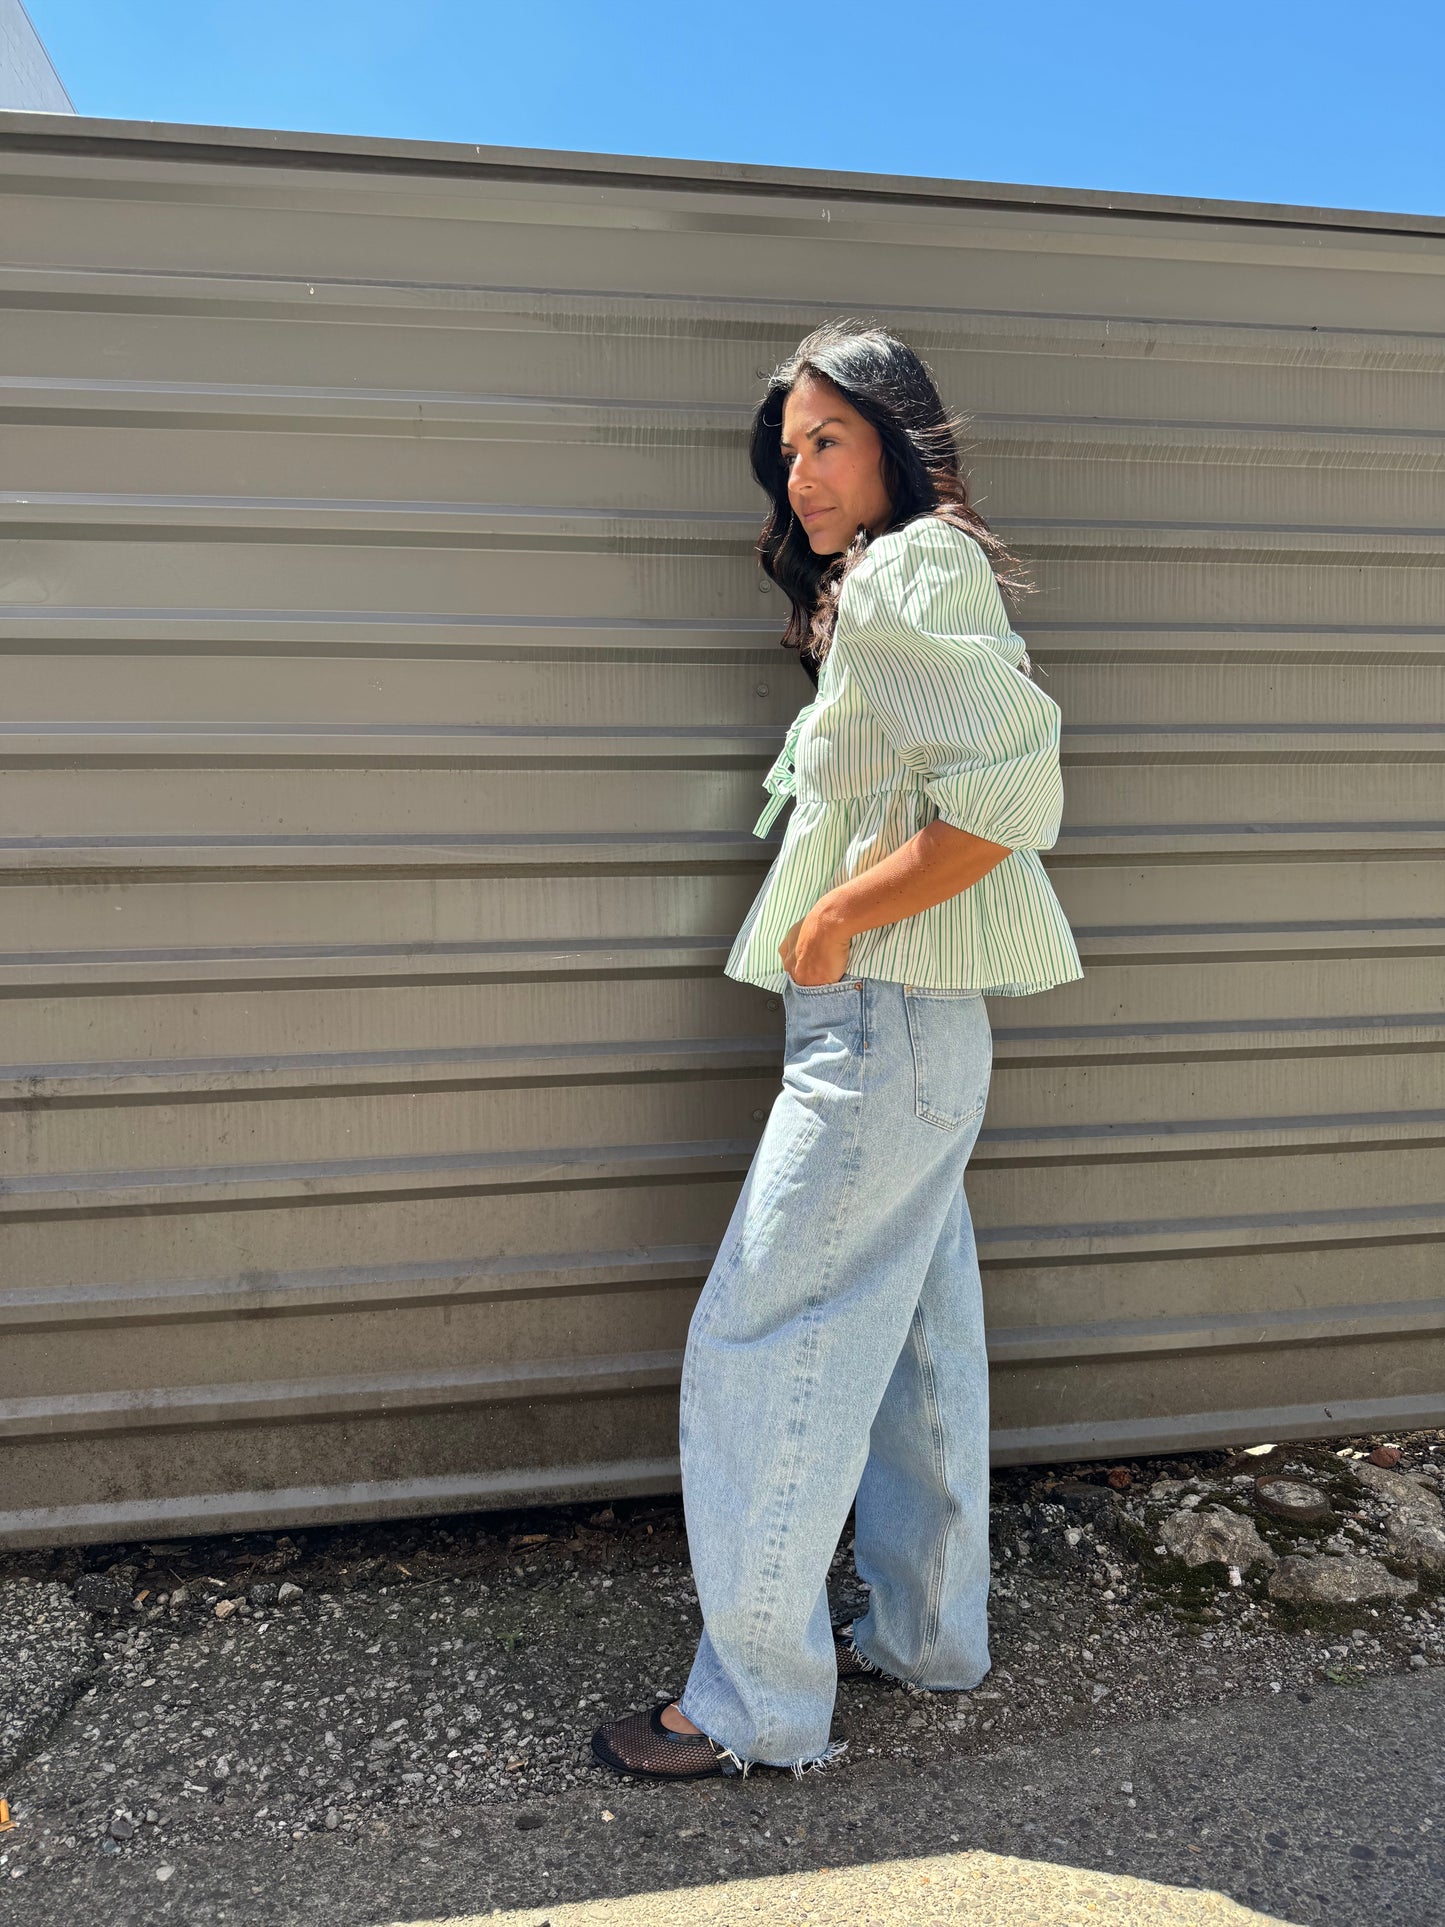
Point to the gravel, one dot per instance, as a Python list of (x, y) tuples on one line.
[(275, 1685)]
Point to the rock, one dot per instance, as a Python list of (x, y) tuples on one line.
[(101, 1593), (286, 1592), (1120, 1477), (263, 1594), (121, 1828), (1344, 1580), (1385, 1455), (225, 1607), (1291, 1499), (1419, 1543), (1403, 1492), (1215, 1533), (1085, 1501)]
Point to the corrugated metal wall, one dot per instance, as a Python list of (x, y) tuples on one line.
[(387, 688)]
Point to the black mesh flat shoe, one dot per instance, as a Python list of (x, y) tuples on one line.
[(851, 1664), (640, 1743)]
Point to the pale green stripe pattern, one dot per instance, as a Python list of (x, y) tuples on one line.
[(922, 712)]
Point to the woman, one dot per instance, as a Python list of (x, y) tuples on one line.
[(836, 1354)]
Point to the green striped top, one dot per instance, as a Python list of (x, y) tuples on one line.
[(922, 711)]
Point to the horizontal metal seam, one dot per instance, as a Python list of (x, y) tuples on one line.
[(61, 1415), (204, 1512)]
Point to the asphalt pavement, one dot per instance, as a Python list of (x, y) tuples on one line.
[(386, 1724), (1328, 1809)]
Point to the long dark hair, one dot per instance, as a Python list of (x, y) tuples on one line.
[(890, 386)]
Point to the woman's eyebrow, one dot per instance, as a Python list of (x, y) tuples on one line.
[(785, 443)]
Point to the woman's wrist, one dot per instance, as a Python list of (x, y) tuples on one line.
[(829, 916)]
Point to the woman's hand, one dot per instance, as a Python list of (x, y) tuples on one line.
[(815, 950)]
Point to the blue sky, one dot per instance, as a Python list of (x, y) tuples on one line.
[(1277, 100)]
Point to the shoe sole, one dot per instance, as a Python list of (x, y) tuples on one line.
[(601, 1751)]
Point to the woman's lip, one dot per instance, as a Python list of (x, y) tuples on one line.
[(811, 515)]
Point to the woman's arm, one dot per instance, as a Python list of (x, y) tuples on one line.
[(930, 867)]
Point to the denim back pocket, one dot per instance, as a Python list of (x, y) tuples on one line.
[(952, 1055)]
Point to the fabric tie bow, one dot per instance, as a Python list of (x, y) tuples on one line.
[(781, 781)]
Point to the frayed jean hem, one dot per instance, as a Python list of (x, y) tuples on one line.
[(814, 1763), (912, 1686)]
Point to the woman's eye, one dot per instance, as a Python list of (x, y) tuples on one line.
[(824, 441)]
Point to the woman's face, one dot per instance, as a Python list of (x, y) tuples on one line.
[(834, 463)]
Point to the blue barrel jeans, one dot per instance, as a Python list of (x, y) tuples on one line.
[(837, 1354)]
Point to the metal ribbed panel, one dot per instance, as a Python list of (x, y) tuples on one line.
[(387, 690)]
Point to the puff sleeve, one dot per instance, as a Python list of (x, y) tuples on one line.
[(923, 630)]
